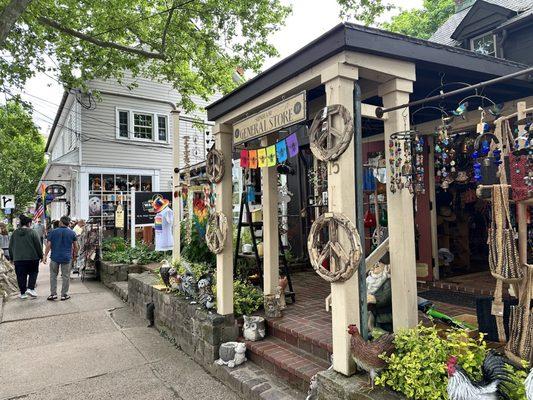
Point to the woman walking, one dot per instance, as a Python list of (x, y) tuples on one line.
[(4, 239), (26, 251)]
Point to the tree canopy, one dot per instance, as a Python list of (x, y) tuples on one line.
[(194, 45), (21, 154), (417, 22)]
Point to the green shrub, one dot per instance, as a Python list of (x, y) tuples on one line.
[(141, 254), (247, 298), (114, 244), (516, 389), (196, 251), (417, 368)]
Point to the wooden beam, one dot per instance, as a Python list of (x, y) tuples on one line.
[(341, 199), (224, 204), (176, 206), (269, 182), (401, 218)]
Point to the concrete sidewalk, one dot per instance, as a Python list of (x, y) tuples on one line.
[(92, 347)]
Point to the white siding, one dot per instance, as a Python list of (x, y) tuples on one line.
[(67, 132)]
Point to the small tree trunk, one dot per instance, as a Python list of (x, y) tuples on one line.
[(9, 16)]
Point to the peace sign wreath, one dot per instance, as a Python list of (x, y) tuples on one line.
[(328, 141), (343, 262), (216, 231), (215, 166)]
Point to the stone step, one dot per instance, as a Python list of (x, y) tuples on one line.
[(309, 336), (120, 289), (288, 362), (253, 382)]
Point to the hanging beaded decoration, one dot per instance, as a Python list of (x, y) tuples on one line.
[(419, 164), (523, 146), (444, 156), (406, 162)]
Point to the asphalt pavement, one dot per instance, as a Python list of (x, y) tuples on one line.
[(92, 347)]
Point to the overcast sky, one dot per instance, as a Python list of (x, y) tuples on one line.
[(310, 19)]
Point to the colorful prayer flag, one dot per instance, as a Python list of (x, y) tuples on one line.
[(262, 158), (292, 144), (244, 158), (252, 159), (271, 155), (281, 151)]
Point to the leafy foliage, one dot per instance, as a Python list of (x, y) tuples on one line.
[(422, 23), (196, 251), (21, 154), (114, 244), (417, 368), (418, 22), (194, 45), (114, 252), (516, 389), (247, 298)]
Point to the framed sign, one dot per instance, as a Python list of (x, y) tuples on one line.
[(144, 212), (280, 115), (7, 201), (56, 190)]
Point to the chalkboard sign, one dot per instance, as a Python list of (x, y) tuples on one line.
[(144, 213)]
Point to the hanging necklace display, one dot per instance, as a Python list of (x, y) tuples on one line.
[(406, 161), (445, 164)]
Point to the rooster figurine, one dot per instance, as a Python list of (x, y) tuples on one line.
[(529, 385), (366, 354), (461, 387)]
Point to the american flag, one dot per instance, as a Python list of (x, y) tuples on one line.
[(40, 205), (39, 211)]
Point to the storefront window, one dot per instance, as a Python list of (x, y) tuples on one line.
[(146, 183), (122, 182), (109, 183)]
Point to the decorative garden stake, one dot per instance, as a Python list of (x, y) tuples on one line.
[(215, 166), (343, 262), (328, 141), (216, 231)]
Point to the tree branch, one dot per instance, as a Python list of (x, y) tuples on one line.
[(98, 42), (167, 24), (9, 16)]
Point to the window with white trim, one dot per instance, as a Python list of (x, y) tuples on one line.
[(123, 124), (484, 44), (162, 128), (146, 126)]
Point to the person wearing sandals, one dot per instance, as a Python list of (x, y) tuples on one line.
[(64, 246), (26, 251)]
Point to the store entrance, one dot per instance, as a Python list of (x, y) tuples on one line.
[(462, 221)]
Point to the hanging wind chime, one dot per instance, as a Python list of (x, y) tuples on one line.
[(406, 161)]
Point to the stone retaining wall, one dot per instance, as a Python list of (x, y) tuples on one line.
[(198, 332), (110, 273)]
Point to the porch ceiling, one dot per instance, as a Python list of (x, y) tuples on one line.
[(434, 63)]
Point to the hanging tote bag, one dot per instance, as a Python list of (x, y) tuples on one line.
[(520, 345), (504, 260)]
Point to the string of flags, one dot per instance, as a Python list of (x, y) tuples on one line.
[(271, 155)]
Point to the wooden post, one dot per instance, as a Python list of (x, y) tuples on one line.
[(132, 217), (400, 216), (224, 204), (269, 182), (341, 198), (521, 207), (176, 204)]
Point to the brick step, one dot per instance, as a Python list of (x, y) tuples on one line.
[(288, 362), (313, 337)]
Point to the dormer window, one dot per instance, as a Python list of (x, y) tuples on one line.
[(484, 44)]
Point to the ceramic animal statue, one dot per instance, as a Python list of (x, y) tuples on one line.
[(205, 292), (272, 306), (254, 328), (282, 286), (232, 354), (280, 295), (189, 285), (164, 272), (376, 277)]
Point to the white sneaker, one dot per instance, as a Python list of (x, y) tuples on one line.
[(31, 293), (23, 296)]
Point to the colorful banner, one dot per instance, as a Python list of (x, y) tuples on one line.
[(262, 158), (252, 159), (270, 156), (281, 151), (244, 158)]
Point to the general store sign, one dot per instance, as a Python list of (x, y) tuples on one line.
[(280, 115)]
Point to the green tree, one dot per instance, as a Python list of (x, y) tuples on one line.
[(423, 22), (21, 154), (418, 22), (195, 45)]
